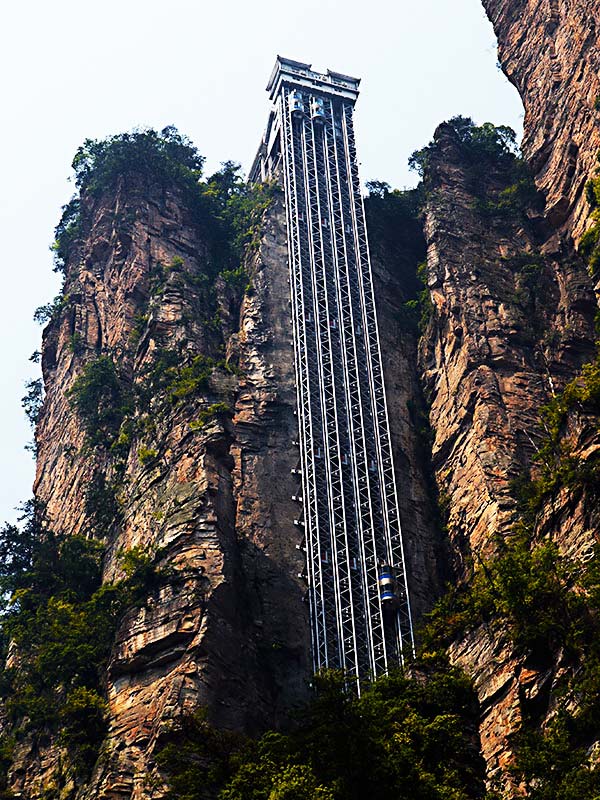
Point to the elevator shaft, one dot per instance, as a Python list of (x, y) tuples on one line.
[(355, 567)]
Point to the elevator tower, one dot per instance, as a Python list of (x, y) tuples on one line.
[(349, 521)]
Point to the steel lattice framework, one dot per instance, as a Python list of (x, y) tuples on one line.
[(355, 567)]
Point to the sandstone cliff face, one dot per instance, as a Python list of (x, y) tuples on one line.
[(512, 320), (550, 51), (228, 630), (505, 336), (394, 266), (511, 323)]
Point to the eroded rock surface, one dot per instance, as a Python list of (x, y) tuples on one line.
[(227, 629), (504, 337), (511, 323), (550, 51)]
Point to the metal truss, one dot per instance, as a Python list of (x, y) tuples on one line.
[(355, 568)]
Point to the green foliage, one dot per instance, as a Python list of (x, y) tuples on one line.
[(530, 275), (7, 744), (558, 464), (206, 416), (24, 553), (66, 233), (589, 244), (140, 322), (158, 375), (524, 586), (275, 781), (146, 454), (394, 223), (488, 143), (33, 401), (50, 311), (236, 279), (404, 738), (142, 576), (408, 316), (553, 765), (172, 379), (240, 207), (75, 343), (585, 390), (512, 200), (198, 758), (551, 609), (177, 263), (62, 622), (396, 234), (101, 506), (229, 209), (161, 157), (425, 303), (82, 720), (101, 399), (487, 149), (190, 379), (528, 267), (413, 316), (590, 194)]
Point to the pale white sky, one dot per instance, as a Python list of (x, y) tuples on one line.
[(74, 69)]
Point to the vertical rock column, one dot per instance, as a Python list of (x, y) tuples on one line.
[(511, 321), (209, 500)]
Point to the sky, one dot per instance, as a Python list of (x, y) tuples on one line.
[(75, 69)]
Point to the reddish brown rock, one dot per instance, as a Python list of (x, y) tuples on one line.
[(551, 52), (500, 341), (228, 628), (498, 347)]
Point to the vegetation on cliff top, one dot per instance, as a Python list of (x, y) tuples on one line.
[(496, 144), (167, 156), (486, 151), (228, 209), (228, 213)]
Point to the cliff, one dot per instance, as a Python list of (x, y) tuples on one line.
[(168, 430), (166, 437), (197, 475), (550, 52), (511, 324)]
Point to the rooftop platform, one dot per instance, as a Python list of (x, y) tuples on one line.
[(301, 74)]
